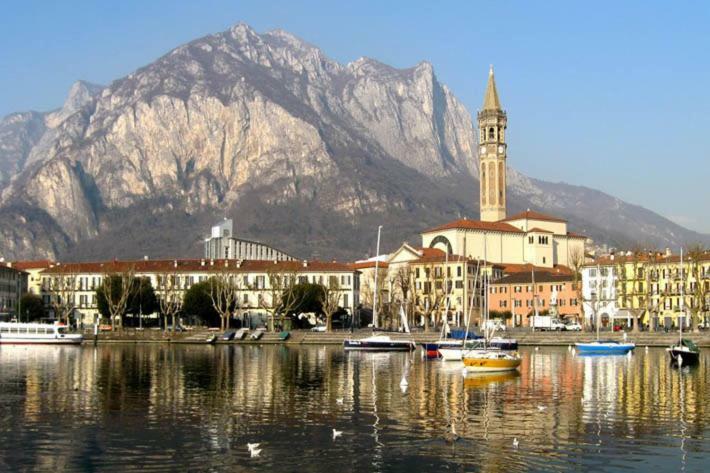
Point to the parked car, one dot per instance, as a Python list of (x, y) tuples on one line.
[(573, 327), (318, 328)]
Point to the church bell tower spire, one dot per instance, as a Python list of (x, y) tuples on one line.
[(492, 123)]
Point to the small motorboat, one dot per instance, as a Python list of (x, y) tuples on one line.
[(212, 339), (379, 343), (228, 335), (241, 334), (490, 360), (605, 347), (685, 353), (258, 333)]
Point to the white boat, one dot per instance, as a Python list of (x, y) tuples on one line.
[(35, 333), (379, 343)]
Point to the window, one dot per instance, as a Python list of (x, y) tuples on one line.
[(592, 273), (531, 239), (491, 133), (246, 299), (543, 260), (458, 271)]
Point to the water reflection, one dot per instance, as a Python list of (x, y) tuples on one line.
[(163, 407)]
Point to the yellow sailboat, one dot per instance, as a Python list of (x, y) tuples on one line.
[(487, 359)]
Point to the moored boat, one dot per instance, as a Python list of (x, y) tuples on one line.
[(605, 347), (378, 343), (685, 353), (36, 333), (490, 360)]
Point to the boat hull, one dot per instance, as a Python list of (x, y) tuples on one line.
[(394, 345), (604, 348), (41, 341), (689, 358), (487, 365)]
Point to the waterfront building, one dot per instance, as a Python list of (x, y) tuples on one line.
[(516, 296), (34, 271), (222, 244), (254, 280), (13, 283), (647, 285)]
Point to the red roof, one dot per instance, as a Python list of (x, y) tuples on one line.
[(196, 265), (465, 224), (25, 265), (532, 215), (576, 235), (511, 268), (430, 252), (542, 276), (657, 258), (369, 264), (539, 230)]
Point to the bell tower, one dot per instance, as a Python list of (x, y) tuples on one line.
[(492, 123)]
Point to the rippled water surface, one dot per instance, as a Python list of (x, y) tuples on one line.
[(179, 408)]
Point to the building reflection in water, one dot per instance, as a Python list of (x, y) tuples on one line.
[(117, 406)]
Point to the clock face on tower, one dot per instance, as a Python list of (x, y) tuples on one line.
[(501, 148), (483, 150)]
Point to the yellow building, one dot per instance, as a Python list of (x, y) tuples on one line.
[(648, 285)]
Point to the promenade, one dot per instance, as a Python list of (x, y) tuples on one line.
[(304, 337)]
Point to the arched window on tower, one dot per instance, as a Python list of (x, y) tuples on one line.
[(491, 133)]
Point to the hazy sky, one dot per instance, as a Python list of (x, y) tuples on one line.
[(611, 95)]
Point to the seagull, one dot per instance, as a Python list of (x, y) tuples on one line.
[(337, 433), (537, 348), (255, 453), (541, 408), (339, 400), (253, 446), (451, 437), (515, 442)]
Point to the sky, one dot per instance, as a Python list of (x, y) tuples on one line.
[(606, 94)]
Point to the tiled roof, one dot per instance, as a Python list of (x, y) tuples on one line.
[(465, 224), (532, 215), (539, 230), (197, 265), (510, 268), (576, 235), (369, 264), (526, 277), (25, 265), (658, 258)]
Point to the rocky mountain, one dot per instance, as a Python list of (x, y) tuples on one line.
[(303, 152)]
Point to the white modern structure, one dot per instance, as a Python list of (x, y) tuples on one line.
[(222, 244)]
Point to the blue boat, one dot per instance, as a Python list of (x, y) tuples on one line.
[(605, 347)]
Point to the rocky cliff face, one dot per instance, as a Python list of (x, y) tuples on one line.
[(302, 151)]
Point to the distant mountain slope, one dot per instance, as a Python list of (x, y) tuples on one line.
[(303, 152)]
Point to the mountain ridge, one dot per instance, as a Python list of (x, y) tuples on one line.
[(238, 121)]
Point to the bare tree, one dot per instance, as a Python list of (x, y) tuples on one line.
[(283, 299), (330, 300), (62, 290), (224, 293), (405, 290), (576, 261), (117, 290), (170, 300), (367, 293), (697, 293)]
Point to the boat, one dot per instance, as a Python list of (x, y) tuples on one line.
[(379, 343), (685, 352), (488, 359), (36, 333), (603, 347), (211, 340)]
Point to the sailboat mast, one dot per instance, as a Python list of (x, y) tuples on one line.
[(599, 296), (374, 298), (682, 300)]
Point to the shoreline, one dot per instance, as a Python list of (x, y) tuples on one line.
[(296, 338)]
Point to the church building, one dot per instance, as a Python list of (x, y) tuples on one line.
[(525, 238)]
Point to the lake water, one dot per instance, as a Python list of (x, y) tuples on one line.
[(180, 408)]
